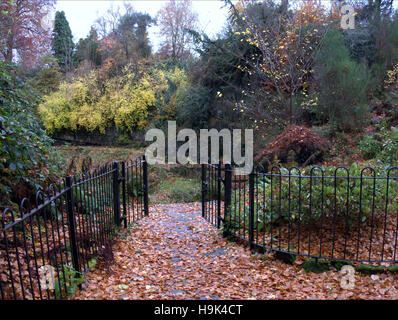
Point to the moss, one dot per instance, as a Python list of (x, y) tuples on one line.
[(316, 266), (369, 269), (338, 264), (393, 269), (285, 257)]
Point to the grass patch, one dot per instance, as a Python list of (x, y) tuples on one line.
[(177, 189)]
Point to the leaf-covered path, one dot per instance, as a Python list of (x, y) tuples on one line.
[(176, 254)]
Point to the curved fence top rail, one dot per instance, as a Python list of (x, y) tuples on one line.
[(295, 172), (55, 190)]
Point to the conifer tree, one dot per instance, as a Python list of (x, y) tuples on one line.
[(63, 45)]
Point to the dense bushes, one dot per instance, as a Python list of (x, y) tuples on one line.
[(24, 145), (298, 201), (271, 66), (196, 107), (124, 101), (335, 197), (382, 145)]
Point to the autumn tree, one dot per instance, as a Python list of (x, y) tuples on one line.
[(123, 37), (108, 23), (23, 35), (63, 45), (266, 57), (175, 19), (287, 41)]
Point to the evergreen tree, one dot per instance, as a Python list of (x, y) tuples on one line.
[(63, 45), (89, 49), (132, 35), (342, 84)]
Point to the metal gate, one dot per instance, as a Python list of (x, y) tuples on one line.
[(216, 192)]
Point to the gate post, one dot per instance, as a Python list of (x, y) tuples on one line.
[(116, 193), (251, 212), (228, 196), (145, 178), (203, 190), (72, 224), (123, 179), (219, 178)]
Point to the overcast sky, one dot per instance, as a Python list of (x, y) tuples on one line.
[(82, 14)]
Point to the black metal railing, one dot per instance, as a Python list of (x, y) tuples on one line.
[(316, 212), (46, 247)]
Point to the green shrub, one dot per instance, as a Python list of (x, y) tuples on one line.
[(124, 101), (123, 139), (338, 264), (316, 266), (369, 269), (70, 279), (382, 146), (370, 146), (389, 153), (285, 257), (24, 145), (393, 268)]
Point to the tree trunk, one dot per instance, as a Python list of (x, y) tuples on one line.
[(10, 45), (285, 6)]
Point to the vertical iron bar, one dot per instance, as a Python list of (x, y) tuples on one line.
[(145, 177), (72, 226), (116, 193), (124, 194), (228, 196), (251, 212), (219, 195), (203, 189)]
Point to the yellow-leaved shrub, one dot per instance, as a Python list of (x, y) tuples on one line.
[(124, 101)]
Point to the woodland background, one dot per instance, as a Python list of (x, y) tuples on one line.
[(313, 92)]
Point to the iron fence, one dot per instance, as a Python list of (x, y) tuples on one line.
[(46, 247), (316, 212)]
